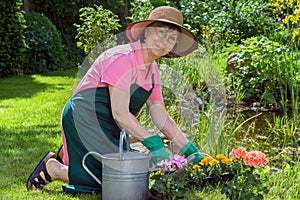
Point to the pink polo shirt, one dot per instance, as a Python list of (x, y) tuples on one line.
[(121, 67)]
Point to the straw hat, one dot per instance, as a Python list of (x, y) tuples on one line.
[(186, 43)]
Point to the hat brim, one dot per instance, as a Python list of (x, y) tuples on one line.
[(186, 43)]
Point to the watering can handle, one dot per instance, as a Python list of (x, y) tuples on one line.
[(122, 136), (87, 169)]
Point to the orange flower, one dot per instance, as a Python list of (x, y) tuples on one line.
[(240, 152), (255, 159), (206, 160), (225, 161), (196, 167), (221, 156), (214, 162)]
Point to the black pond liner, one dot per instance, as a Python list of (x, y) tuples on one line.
[(207, 181)]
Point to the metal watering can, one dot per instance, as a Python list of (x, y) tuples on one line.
[(124, 175)]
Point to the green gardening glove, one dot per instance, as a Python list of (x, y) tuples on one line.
[(190, 149), (156, 147)]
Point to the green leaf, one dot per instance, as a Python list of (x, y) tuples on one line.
[(79, 44), (287, 170)]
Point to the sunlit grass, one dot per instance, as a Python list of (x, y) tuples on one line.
[(285, 184)]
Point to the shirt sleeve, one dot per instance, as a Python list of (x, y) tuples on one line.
[(118, 73)]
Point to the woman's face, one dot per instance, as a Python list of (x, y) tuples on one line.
[(160, 39)]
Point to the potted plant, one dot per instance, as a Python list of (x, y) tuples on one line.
[(238, 176)]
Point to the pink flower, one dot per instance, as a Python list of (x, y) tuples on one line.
[(179, 161), (240, 152), (255, 159), (175, 163), (167, 165)]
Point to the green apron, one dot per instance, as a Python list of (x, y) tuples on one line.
[(88, 125)]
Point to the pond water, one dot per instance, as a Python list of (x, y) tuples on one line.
[(268, 132)]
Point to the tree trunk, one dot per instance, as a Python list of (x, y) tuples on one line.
[(28, 6)]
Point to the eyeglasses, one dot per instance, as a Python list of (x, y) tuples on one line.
[(162, 33)]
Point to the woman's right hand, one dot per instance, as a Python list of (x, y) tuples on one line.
[(190, 149)]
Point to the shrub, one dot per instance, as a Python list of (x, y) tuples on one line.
[(265, 70), (45, 50), (97, 25), (12, 43), (227, 21)]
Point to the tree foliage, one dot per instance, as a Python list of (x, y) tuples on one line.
[(12, 43)]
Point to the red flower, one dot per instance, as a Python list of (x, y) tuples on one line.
[(255, 159), (240, 152)]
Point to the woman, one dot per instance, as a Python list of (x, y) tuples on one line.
[(109, 97)]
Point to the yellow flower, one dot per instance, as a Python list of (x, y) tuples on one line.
[(293, 19), (291, 3), (296, 34), (276, 5), (287, 19), (297, 15), (159, 172), (232, 159), (279, 5)]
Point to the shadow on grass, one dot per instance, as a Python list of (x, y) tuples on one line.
[(23, 87), (69, 73), (83, 196), (26, 86)]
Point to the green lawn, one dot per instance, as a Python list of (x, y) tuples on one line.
[(30, 109)]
